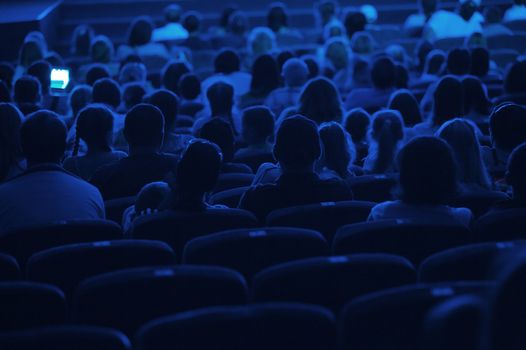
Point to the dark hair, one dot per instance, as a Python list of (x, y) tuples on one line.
[(54, 59), (297, 142), (27, 90), (172, 13), (516, 171), (192, 21), (81, 40), (101, 49), (312, 65), (220, 132), (258, 124), (320, 101), (507, 126), (383, 73), (131, 58), (95, 127), (326, 10), (337, 148), (226, 15), (467, 9), (95, 72), (265, 75), (428, 173), (10, 148), (283, 57), (514, 81), (132, 94), (402, 77), (459, 61), (5, 94), (7, 72), (220, 96), (30, 51), (434, 62), (480, 61), (423, 48), (42, 71), (387, 130), (448, 102), (107, 91), (189, 86), (43, 137), (354, 22), (277, 16), (237, 23), (144, 126), (171, 73), (476, 96), (140, 31), (493, 14), (406, 103), (226, 62), (168, 103), (79, 98), (357, 124)]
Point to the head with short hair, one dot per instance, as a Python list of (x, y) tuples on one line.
[(81, 40), (265, 75), (334, 29), (140, 31), (220, 132), (54, 59), (220, 96), (258, 125), (337, 53), (459, 61), (226, 14), (172, 13), (434, 62), (42, 71), (43, 137), (383, 73), (338, 148), (189, 86), (468, 8), (95, 72), (144, 127), (27, 90), (171, 73), (226, 62), (362, 43), (132, 94), (237, 23), (95, 127), (295, 72), (168, 103), (10, 148), (507, 125), (326, 10), (133, 72), (320, 101), (101, 49), (406, 103), (448, 100), (30, 52), (354, 21), (312, 65), (277, 17), (476, 96), (261, 40), (108, 92), (428, 172), (480, 61), (514, 82), (39, 37), (516, 171), (357, 124), (428, 7), (192, 22), (79, 98)]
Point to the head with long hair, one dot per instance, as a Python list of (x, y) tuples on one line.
[(448, 102), (320, 101), (140, 31), (95, 127), (338, 148), (406, 103), (386, 133), (265, 75)]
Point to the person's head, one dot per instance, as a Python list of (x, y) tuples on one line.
[(422, 49), (42, 71), (458, 62), (133, 72), (295, 72), (514, 82), (132, 94), (507, 125), (402, 77), (168, 103), (220, 132), (198, 169), (283, 57), (461, 137), (312, 65), (406, 103), (95, 127), (516, 171), (334, 29), (386, 132), (10, 148), (226, 62), (428, 172), (361, 73), (428, 7), (277, 17), (192, 22), (320, 101), (220, 96), (480, 62), (468, 8), (383, 73), (258, 125), (27, 90), (5, 94), (30, 52), (54, 59), (237, 23), (39, 37), (448, 100), (362, 43), (131, 58), (172, 13), (326, 11), (226, 14), (265, 75), (338, 148), (7, 72), (81, 40), (492, 14), (189, 86), (397, 53), (144, 128), (297, 145), (434, 62), (43, 138), (261, 40), (475, 96), (151, 196), (357, 124), (95, 72), (140, 31), (101, 49), (79, 98), (108, 92), (354, 21), (171, 73), (475, 40), (337, 53)]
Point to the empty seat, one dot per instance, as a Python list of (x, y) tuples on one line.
[(65, 338), (473, 262), (116, 207), (24, 242), (66, 266), (250, 251), (233, 180), (413, 239), (374, 188), (393, 319), (479, 203), (9, 269), (332, 281), (126, 299), (177, 228), (29, 304), (324, 217), (502, 225), (230, 198), (278, 326)]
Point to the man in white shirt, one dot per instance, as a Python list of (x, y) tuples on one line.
[(517, 12), (447, 24), (45, 192), (172, 30)]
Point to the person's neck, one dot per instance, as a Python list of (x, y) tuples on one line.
[(142, 150)]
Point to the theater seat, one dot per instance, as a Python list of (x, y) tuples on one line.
[(29, 304), (332, 281), (479, 203), (502, 225), (126, 299), (230, 198), (251, 250), (66, 266), (116, 207), (414, 239), (9, 269), (256, 327), (373, 188)]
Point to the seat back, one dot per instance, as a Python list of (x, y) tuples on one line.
[(250, 251), (373, 188), (230, 198), (116, 207), (332, 281), (9, 269), (502, 225), (126, 299), (479, 203)]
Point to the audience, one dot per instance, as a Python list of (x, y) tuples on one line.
[(265, 79), (257, 133), (357, 125), (515, 178), (517, 12), (12, 161), (27, 94), (172, 30), (190, 91), (320, 101), (227, 69), (338, 153)]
